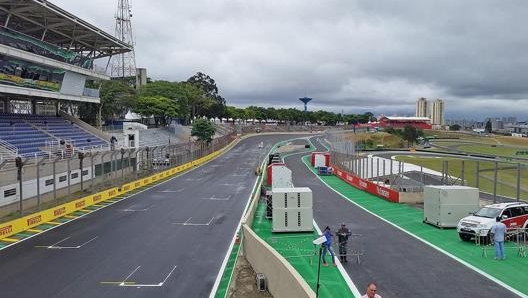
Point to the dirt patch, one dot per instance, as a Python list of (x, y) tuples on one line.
[(244, 283)]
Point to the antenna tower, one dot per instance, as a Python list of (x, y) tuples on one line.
[(124, 64)]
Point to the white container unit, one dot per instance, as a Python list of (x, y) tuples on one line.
[(292, 209), (445, 205)]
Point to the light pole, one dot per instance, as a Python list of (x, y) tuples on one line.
[(319, 241), (19, 164), (122, 166), (81, 158)]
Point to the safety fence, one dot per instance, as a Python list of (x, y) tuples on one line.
[(499, 179), (31, 185)]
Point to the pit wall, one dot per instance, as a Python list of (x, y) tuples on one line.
[(30, 221), (281, 278)]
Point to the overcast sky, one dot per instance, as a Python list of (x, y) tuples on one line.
[(351, 56)]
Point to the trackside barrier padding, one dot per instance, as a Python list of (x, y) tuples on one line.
[(30, 221), (27, 222), (368, 186)]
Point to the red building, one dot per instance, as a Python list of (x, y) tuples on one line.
[(401, 122)]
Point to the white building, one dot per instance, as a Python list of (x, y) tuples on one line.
[(421, 107), (437, 113)]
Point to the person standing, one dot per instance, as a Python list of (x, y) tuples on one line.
[(371, 291), (498, 230), (342, 236), (327, 246), (113, 142)]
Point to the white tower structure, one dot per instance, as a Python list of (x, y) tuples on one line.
[(437, 112), (124, 65), (421, 107)]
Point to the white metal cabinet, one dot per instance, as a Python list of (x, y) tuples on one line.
[(445, 205)]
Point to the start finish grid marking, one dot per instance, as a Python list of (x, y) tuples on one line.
[(188, 223), (56, 246), (213, 198), (127, 283)]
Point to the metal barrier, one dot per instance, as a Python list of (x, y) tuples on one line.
[(516, 239), (353, 248)]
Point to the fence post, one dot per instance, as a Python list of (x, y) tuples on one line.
[(495, 181), (462, 173), (477, 181), (518, 190)]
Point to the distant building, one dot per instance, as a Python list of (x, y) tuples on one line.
[(520, 129), (437, 113), (421, 107), (496, 124), (401, 122), (509, 120)]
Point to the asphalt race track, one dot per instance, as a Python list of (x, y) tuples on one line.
[(401, 265), (168, 241)]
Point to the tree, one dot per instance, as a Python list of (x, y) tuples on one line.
[(488, 126), (162, 108), (213, 104), (116, 98), (203, 130), (410, 134), (184, 94)]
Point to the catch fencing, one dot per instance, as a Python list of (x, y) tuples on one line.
[(39, 183), (499, 179)]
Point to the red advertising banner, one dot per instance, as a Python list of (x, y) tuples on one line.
[(370, 187)]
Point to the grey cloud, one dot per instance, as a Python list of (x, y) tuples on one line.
[(348, 55)]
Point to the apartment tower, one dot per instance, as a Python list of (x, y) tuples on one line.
[(421, 107), (437, 112)]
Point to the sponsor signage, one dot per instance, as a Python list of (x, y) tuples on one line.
[(368, 186), (80, 204), (6, 230), (60, 211), (34, 220), (96, 198)]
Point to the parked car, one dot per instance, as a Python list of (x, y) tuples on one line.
[(513, 215)]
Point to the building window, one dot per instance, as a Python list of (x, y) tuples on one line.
[(10, 192)]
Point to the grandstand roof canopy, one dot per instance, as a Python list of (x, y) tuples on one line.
[(399, 118), (45, 21)]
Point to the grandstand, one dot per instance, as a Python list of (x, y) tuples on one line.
[(48, 60), (401, 122)]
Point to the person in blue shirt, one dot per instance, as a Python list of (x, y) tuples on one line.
[(497, 232), (327, 246)]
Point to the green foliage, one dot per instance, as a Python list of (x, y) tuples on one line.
[(116, 98), (211, 104), (184, 94), (203, 130), (488, 126), (162, 108), (410, 134)]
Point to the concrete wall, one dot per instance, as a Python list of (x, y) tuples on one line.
[(411, 197), (282, 279)]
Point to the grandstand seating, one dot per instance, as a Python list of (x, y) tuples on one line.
[(31, 133)]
